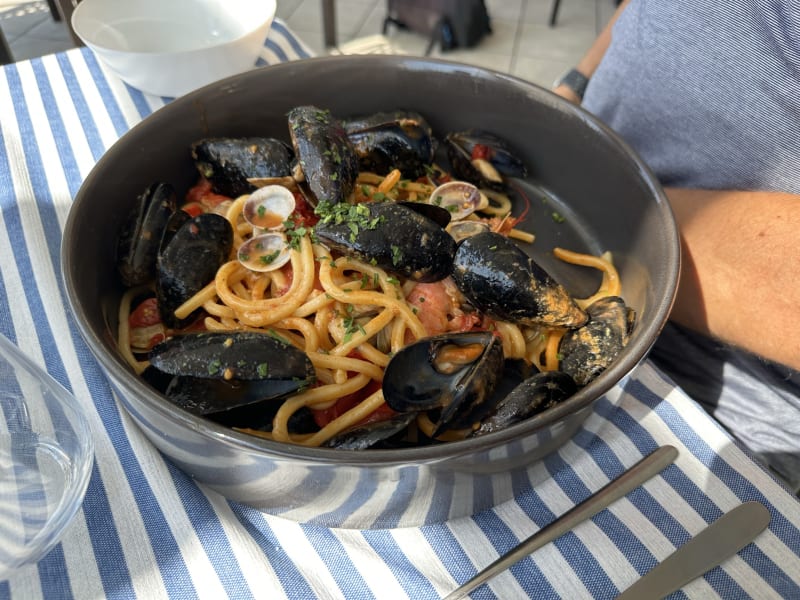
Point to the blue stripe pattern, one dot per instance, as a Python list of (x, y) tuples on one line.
[(137, 506)]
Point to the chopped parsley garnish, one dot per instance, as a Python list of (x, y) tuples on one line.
[(351, 326), (397, 255), (557, 218), (274, 334), (294, 233), (268, 259)]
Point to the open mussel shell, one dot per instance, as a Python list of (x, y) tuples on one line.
[(219, 371), (535, 394), (392, 140), (483, 158), (498, 278), (361, 437), (589, 350), (140, 237), (393, 236), (189, 261), (229, 162), (324, 153), (454, 374)]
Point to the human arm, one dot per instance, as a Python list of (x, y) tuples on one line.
[(740, 277), (588, 64)]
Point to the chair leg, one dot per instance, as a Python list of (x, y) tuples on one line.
[(65, 9), (54, 10), (5, 52), (554, 12)]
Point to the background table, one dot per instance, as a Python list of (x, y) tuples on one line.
[(147, 530)]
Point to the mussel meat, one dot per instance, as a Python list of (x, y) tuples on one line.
[(393, 236), (589, 350), (498, 278), (229, 162), (392, 140), (453, 373), (218, 372), (325, 155)]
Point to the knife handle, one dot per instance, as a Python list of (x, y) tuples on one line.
[(706, 550)]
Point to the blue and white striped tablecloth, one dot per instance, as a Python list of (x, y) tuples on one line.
[(147, 530)]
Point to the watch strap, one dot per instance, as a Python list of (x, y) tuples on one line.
[(574, 80)]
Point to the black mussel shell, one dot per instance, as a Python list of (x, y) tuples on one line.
[(229, 162), (498, 278), (415, 379), (324, 152), (360, 437), (217, 372), (140, 236), (438, 214), (588, 351), (189, 261), (392, 236), (392, 140), (534, 395), (460, 151)]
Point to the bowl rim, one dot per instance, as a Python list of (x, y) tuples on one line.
[(81, 7), (377, 458)]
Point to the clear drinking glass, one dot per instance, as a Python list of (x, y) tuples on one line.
[(46, 457)]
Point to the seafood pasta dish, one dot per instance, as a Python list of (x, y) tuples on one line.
[(361, 284)]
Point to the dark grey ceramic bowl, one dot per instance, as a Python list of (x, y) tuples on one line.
[(579, 169)]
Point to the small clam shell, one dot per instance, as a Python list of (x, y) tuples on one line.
[(265, 252), (459, 198), (268, 207), (464, 229)]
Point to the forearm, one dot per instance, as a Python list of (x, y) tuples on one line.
[(740, 277), (588, 64)]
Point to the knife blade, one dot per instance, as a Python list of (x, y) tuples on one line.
[(717, 542), (629, 480)]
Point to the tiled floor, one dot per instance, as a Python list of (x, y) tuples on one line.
[(521, 42)]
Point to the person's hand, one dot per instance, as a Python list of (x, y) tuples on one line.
[(567, 93)]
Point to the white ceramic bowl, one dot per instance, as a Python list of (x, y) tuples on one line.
[(169, 48)]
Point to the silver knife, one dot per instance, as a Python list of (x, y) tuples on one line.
[(717, 542), (643, 470)]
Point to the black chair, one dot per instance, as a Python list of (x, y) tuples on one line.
[(5, 51), (62, 10)]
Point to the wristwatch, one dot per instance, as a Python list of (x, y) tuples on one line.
[(574, 80)]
